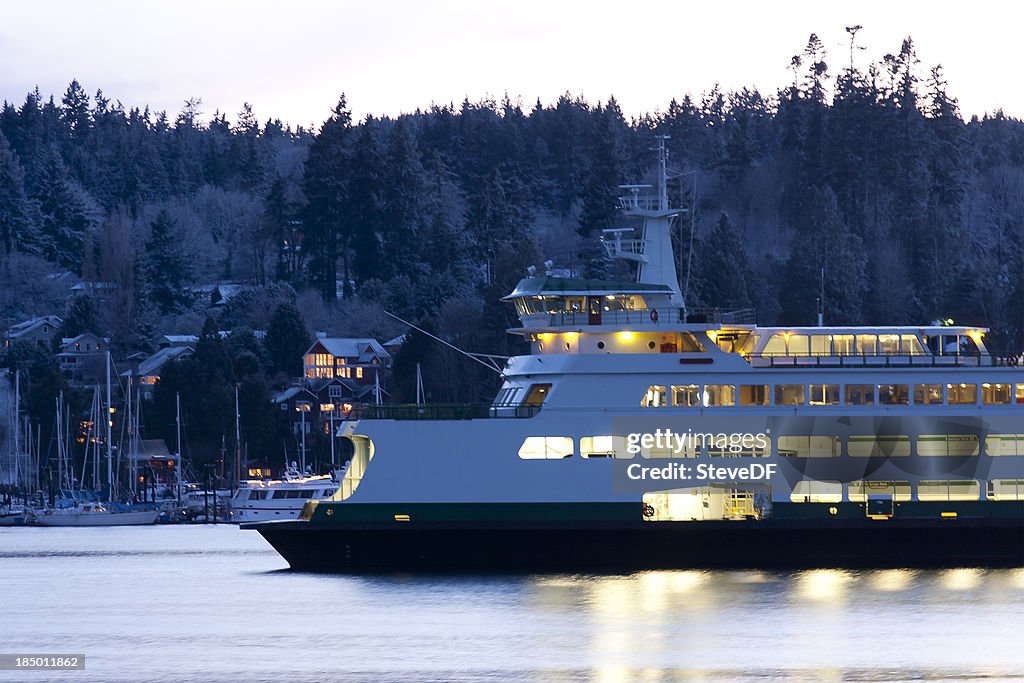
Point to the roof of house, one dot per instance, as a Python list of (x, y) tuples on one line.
[(318, 385), (364, 349), (397, 341), (178, 340), (290, 393), (153, 364), (28, 326), (68, 341)]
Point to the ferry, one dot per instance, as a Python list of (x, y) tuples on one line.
[(639, 434)]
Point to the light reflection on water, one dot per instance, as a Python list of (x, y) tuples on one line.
[(211, 603)]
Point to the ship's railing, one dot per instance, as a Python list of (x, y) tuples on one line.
[(632, 202), (642, 316), (654, 316), (444, 411), (615, 247), (712, 314), (780, 360)]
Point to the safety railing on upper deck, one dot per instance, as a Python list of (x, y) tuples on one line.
[(444, 411), (770, 360), (643, 316), (721, 316)]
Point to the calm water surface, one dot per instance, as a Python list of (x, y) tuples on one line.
[(213, 603)]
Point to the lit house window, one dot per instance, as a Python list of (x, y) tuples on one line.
[(319, 365)]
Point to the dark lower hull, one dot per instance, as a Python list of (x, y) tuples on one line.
[(626, 546)]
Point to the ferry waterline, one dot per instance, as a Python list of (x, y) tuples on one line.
[(889, 446)]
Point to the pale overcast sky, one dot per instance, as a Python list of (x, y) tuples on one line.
[(291, 59)]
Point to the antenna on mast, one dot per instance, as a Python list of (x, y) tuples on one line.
[(821, 300), (662, 171)]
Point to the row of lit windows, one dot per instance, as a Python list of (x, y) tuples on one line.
[(713, 395), (899, 445), (344, 372), (860, 446), (844, 345), (936, 490)]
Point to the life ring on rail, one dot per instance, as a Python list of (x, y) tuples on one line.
[(1012, 360), (654, 315)]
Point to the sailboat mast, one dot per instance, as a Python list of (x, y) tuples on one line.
[(131, 439), (238, 442), (17, 426), (177, 422), (108, 415)]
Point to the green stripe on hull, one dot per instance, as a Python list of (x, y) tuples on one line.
[(328, 513), (476, 512), (987, 509)]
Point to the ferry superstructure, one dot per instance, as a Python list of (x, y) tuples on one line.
[(889, 446)]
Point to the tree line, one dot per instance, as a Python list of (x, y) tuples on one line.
[(861, 181)]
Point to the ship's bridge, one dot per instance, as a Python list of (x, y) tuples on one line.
[(553, 304)]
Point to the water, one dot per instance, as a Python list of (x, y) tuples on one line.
[(213, 603)]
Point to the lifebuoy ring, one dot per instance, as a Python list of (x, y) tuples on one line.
[(654, 315), (1012, 360)]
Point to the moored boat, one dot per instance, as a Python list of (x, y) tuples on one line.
[(258, 500), (94, 514)]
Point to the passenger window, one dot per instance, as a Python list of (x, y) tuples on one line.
[(537, 394)]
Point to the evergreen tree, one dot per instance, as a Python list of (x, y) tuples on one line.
[(81, 317), (362, 220), (166, 271), (828, 249), (726, 276), (17, 229), (324, 184), (403, 206), (287, 339), (68, 214)]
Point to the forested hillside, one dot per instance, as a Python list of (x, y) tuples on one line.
[(869, 175)]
